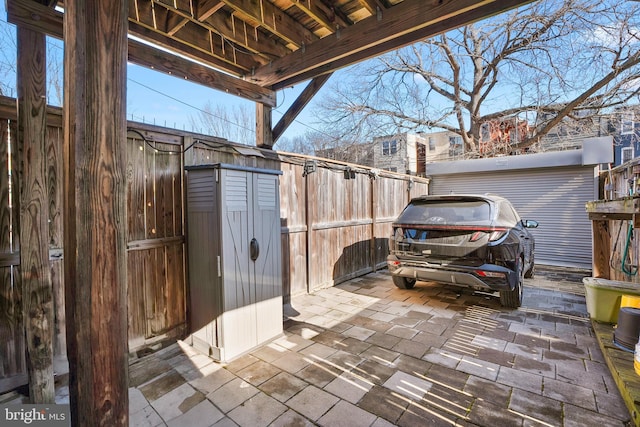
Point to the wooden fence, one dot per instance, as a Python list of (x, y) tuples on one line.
[(616, 224), (333, 228)]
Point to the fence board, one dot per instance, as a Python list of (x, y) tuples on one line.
[(176, 288), (55, 164), (135, 189), (149, 193), (12, 344), (55, 141), (136, 300), (294, 226)]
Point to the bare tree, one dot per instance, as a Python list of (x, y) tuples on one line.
[(301, 144), (7, 59), (55, 71), (236, 123), (547, 62)]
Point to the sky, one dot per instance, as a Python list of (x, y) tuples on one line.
[(157, 98), (165, 100)]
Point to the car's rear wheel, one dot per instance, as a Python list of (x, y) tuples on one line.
[(404, 282), (531, 272), (513, 298)]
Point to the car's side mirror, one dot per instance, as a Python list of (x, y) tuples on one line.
[(529, 223)]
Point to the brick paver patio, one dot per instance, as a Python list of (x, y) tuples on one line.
[(365, 353)]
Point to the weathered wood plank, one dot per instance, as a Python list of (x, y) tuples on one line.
[(176, 286), (94, 211), (38, 307), (155, 291), (150, 220), (35, 16), (12, 346), (163, 189), (60, 332), (624, 208), (137, 322), (6, 245), (601, 249), (136, 206), (294, 238), (274, 19), (55, 142), (264, 137)]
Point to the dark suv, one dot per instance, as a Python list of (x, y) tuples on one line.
[(477, 241)]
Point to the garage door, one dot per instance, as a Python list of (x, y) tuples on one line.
[(555, 197)]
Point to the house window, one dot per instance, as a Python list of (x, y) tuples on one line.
[(485, 132), (455, 146), (389, 147), (432, 144), (626, 154), (627, 124)]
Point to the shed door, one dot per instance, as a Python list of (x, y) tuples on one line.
[(239, 324), (266, 269), (555, 198)]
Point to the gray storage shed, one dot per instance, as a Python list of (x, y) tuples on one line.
[(551, 188), (234, 258)]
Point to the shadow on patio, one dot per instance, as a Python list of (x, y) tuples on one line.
[(366, 353)]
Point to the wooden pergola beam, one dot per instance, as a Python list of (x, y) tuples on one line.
[(32, 15), (147, 56), (298, 105), (394, 28), (35, 16), (264, 13), (264, 136), (95, 231)]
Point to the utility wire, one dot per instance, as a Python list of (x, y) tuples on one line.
[(222, 118), (190, 105)]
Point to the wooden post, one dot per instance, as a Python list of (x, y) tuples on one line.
[(601, 249), (373, 247), (308, 219), (95, 222), (264, 136), (37, 291)]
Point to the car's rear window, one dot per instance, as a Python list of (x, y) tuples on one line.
[(471, 212)]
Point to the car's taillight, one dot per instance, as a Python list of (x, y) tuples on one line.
[(483, 273), (497, 235), (477, 236)]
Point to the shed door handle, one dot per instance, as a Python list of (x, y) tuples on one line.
[(254, 249)]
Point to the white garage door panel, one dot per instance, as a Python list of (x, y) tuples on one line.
[(554, 197)]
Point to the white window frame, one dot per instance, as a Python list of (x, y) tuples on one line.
[(627, 124), (625, 158), (389, 148)]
